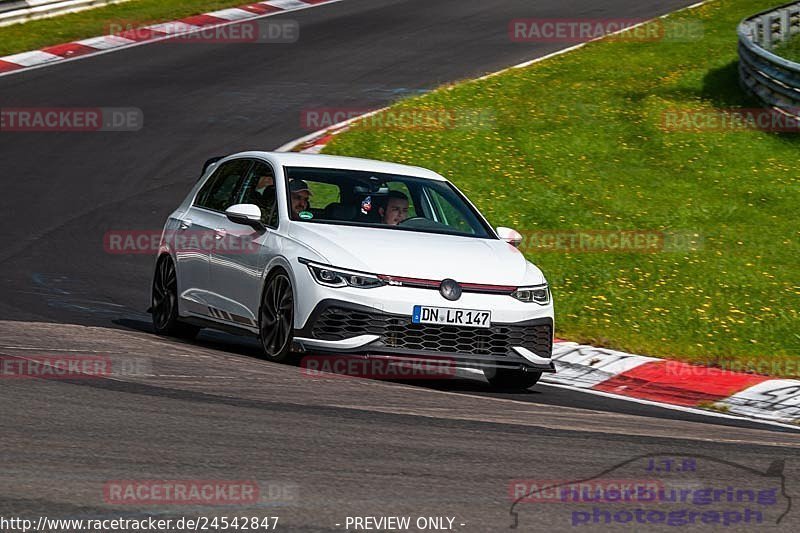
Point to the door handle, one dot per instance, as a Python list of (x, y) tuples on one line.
[(186, 224), (219, 233)]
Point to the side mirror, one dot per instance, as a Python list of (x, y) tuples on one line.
[(511, 236), (245, 214)]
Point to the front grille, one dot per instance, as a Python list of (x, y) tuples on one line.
[(337, 323)]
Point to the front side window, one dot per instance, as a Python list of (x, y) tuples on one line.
[(259, 189), (359, 198), (220, 191), (443, 210)]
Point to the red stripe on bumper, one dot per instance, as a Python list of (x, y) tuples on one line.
[(69, 50), (678, 383)]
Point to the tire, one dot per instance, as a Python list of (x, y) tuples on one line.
[(276, 318), (164, 301), (504, 379)]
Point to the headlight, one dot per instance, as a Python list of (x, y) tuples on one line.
[(539, 294), (338, 277)]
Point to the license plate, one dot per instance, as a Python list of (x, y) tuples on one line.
[(455, 317)]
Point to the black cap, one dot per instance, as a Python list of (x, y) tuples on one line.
[(299, 185)]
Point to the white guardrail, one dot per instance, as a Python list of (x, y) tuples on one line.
[(25, 10), (771, 78)]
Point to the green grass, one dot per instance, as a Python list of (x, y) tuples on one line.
[(577, 143), (715, 406), (91, 23), (790, 49)]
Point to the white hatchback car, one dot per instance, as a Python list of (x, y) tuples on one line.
[(336, 255)]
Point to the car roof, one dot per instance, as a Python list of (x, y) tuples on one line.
[(296, 159)]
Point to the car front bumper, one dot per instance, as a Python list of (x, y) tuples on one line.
[(341, 327)]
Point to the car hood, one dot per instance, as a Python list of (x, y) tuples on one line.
[(417, 254)]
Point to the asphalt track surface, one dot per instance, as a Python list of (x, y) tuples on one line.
[(214, 410)]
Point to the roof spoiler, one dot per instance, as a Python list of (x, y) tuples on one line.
[(210, 162)]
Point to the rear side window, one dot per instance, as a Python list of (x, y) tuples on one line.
[(324, 194), (219, 192)]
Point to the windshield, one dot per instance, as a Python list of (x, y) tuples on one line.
[(370, 199)]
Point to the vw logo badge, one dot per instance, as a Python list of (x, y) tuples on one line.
[(450, 289)]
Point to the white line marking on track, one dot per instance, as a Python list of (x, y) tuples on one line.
[(285, 4), (605, 394), (34, 57), (233, 13), (692, 410), (698, 411), (581, 45), (149, 41), (291, 144), (106, 42), (776, 399), (173, 27)]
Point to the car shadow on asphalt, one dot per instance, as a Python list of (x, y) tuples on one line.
[(207, 338), (465, 384), (250, 347)]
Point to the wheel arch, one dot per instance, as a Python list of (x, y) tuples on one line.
[(278, 264)]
